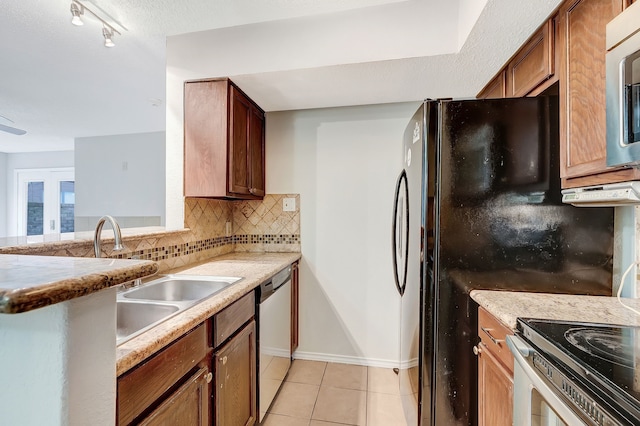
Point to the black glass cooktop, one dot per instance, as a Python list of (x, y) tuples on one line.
[(604, 357)]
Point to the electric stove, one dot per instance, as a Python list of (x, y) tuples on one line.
[(595, 367)]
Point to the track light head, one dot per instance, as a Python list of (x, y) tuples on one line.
[(108, 31), (75, 13), (107, 37)]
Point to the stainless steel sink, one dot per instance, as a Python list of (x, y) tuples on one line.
[(134, 317), (142, 308), (175, 288)]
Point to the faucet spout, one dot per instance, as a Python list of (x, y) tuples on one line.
[(116, 235)]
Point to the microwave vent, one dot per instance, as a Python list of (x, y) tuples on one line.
[(611, 195)]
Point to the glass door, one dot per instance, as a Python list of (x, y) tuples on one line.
[(46, 201)]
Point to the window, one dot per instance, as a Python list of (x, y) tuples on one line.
[(46, 201)]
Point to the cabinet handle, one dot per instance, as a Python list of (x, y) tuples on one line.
[(252, 191), (209, 377), (224, 360), (477, 350), (487, 331)]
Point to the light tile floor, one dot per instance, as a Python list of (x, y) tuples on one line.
[(324, 394)]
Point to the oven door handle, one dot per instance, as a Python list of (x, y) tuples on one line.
[(520, 346), (525, 379)]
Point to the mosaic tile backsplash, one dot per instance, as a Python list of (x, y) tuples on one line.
[(215, 227)]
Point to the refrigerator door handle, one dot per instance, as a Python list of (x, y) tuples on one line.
[(400, 286)]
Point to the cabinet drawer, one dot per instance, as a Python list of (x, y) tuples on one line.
[(140, 388), (232, 317), (533, 64), (493, 335)]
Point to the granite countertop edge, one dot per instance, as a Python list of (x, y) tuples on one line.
[(8, 246), (508, 306), (86, 276), (254, 268)]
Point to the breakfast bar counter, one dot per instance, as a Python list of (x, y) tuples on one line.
[(31, 282)]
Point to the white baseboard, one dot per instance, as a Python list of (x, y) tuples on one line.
[(342, 359)]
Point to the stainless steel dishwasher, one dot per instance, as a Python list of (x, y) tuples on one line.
[(274, 336)]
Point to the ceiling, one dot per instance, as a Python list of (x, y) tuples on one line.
[(58, 81)]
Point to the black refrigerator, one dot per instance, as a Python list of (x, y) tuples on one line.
[(478, 206)]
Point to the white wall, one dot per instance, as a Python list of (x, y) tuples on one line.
[(468, 12), (120, 175), (26, 160), (344, 163), (61, 363), (3, 194)]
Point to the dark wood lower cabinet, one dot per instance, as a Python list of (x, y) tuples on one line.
[(187, 406), (206, 377), (235, 380), (295, 310), (495, 372), (151, 384), (495, 390)]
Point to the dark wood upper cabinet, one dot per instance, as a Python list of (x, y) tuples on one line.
[(582, 40), (530, 71), (223, 141), (496, 88), (534, 63), (570, 49)]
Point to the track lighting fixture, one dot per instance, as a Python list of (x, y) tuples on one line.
[(78, 9), (75, 13), (107, 37)]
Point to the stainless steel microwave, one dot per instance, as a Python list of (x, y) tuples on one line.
[(623, 88)]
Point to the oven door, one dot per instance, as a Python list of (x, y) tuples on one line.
[(535, 399)]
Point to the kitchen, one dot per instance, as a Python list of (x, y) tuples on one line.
[(322, 141)]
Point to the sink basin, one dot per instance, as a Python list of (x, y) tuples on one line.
[(134, 317), (175, 289), (146, 306)]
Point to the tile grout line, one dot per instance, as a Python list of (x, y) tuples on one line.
[(324, 371)]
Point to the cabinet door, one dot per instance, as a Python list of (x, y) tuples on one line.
[(235, 380), (496, 88), (533, 64), (256, 153), (582, 36), (187, 406), (495, 390), (239, 143), (205, 138)]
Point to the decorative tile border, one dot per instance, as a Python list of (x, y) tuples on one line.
[(161, 253), (176, 250)]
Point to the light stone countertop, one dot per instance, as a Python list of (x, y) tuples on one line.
[(31, 282), (507, 306), (254, 268)]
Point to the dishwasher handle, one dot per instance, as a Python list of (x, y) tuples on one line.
[(268, 287)]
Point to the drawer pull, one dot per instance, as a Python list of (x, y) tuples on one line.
[(209, 377), (224, 360), (487, 331)]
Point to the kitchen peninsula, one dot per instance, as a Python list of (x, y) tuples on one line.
[(57, 329)]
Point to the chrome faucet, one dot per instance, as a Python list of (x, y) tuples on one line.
[(117, 245)]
